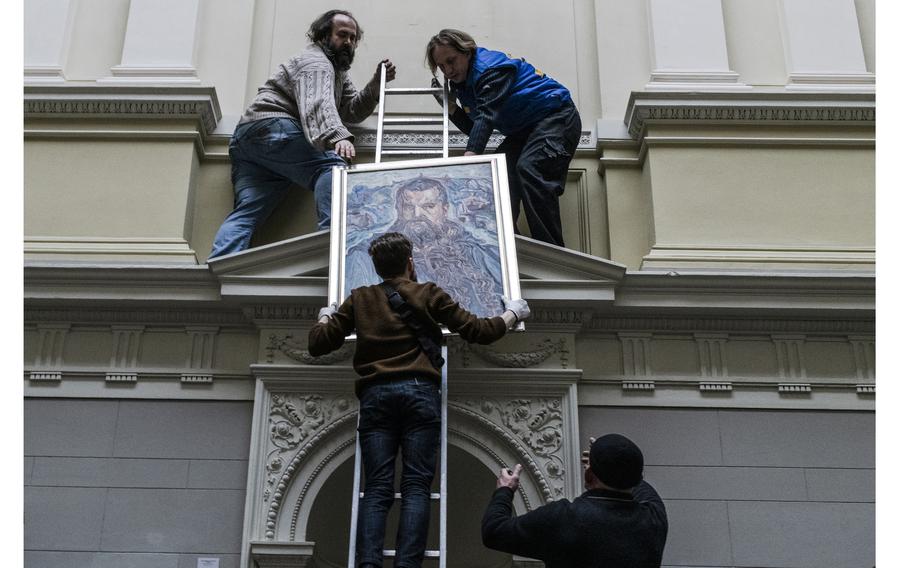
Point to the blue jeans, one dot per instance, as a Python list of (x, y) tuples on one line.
[(401, 414), (267, 157)]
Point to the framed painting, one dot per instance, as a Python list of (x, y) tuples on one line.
[(455, 211)]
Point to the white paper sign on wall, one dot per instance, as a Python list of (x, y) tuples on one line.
[(208, 562)]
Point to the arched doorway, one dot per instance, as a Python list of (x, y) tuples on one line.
[(470, 485)]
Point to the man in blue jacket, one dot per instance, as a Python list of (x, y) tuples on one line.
[(533, 111), (620, 521)]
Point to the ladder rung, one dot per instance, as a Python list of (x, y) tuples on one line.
[(433, 496), (426, 554), (412, 120), (411, 152), (412, 90)]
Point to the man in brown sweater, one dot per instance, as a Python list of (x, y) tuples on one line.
[(399, 390), (294, 130)]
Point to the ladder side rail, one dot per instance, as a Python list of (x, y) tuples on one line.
[(355, 498), (381, 114), (443, 454)]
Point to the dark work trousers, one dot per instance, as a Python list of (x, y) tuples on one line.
[(537, 160), (399, 414)]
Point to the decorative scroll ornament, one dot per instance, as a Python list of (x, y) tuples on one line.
[(298, 352), (514, 360), (295, 419), (538, 424)]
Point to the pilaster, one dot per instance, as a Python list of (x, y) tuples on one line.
[(823, 46), (47, 33), (689, 47), (160, 44)]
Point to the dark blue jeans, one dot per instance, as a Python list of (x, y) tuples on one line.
[(402, 414), (267, 157)]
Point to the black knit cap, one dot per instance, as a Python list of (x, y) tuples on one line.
[(616, 461)]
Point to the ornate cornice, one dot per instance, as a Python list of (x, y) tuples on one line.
[(731, 324), (647, 107), (111, 101), (297, 351), (136, 315), (423, 140)]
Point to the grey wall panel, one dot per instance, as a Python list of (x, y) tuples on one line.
[(187, 521), (666, 436), (698, 534), (70, 427), (110, 472), (798, 438), (49, 559), (28, 464), (217, 474), (184, 429), (728, 483), (846, 485), (833, 535), (63, 518)]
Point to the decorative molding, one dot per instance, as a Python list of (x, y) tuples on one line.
[(121, 377), (106, 248), (863, 356), (188, 378), (296, 424), (790, 362), (539, 427), (126, 344), (794, 388), (202, 350), (744, 108), (664, 257), (281, 312), (282, 555), (636, 354), (120, 101), (638, 385), (865, 389), (45, 376), (298, 505), (297, 351), (65, 282), (418, 139), (728, 325), (230, 317), (712, 355), (712, 386), (540, 352), (51, 340)]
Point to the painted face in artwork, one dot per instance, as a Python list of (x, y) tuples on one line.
[(425, 204)]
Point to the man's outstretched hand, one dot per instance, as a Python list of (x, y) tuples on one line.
[(509, 477)]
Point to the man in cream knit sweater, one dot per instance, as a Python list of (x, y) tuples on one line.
[(294, 130)]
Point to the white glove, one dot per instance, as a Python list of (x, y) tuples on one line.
[(518, 307), (327, 311)]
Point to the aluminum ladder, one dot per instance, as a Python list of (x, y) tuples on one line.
[(441, 496), (412, 120)]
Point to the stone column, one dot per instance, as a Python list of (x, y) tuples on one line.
[(689, 47), (823, 46), (160, 44), (46, 34)]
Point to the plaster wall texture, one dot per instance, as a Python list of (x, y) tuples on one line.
[(766, 194)]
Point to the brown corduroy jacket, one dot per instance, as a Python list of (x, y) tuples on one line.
[(386, 346)]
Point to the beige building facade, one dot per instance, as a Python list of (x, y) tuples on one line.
[(715, 301)]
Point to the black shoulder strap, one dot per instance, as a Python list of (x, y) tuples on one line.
[(420, 327)]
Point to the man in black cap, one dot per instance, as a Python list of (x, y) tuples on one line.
[(620, 521)]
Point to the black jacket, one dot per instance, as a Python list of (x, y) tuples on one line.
[(600, 529)]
